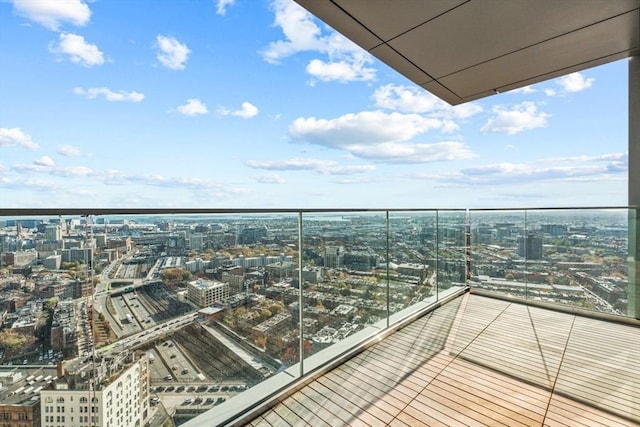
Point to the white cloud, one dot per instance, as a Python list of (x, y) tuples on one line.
[(221, 8), (247, 111), (550, 92), (269, 179), (75, 171), (70, 151), (109, 95), (579, 168), (172, 54), (366, 127), (410, 99), (575, 82), (324, 167), (380, 136), (45, 161), (391, 152), (342, 71), (78, 50), (524, 116), (52, 14), (193, 107), (523, 90), (345, 60), (15, 136)]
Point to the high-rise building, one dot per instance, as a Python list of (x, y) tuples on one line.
[(196, 242), (52, 233), (333, 256), (109, 393), (530, 247)]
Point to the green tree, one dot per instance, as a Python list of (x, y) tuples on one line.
[(14, 343)]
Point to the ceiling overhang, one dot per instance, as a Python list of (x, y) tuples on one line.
[(461, 50)]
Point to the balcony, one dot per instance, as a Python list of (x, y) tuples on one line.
[(361, 317), (479, 361)]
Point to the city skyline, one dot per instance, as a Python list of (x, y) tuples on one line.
[(234, 104)]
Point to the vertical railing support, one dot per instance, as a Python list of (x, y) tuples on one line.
[(388, 262), (437, 241), (633, 308), (300, 299)]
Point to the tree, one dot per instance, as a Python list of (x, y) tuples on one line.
[(261, 342), (51, 304), (14, 342), (174, 276)]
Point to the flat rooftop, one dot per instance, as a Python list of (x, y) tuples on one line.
[(480, 361)]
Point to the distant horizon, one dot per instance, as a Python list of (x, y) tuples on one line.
[(259, 105)]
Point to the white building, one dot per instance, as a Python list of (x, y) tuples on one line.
[(204, 293), (53, 233), (119, 399), (196, 242)]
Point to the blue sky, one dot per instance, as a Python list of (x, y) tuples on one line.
[(257, 104)]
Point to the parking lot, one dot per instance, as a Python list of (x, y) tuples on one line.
[(203, 396)]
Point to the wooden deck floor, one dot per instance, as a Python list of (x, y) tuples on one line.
[(478, 361)]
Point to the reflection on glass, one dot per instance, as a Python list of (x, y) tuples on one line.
[(497, 260), (579, 258), (451, 250), (344, 276), (412, 258), (562, 256)]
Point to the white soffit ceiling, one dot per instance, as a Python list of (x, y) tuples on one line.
[(461, 50)]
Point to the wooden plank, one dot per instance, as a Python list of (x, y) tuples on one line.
[(443, 412), (274, 419), (304, 412), (419, 419), (288, 415), (260, 422), (469, 398), (322, 406), (427, 416), (498, 385), (562, 410), (377, 380), (356, 416), (461, 405), (364, 392), (520, 402)]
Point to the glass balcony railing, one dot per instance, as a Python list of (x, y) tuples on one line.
[(573, 257), (222, 302)]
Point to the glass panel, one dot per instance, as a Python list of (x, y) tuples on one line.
[(451, 251), (579, 258), (206, 297), (344, 279), (633, 257), (497, 258), (412, 258)]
